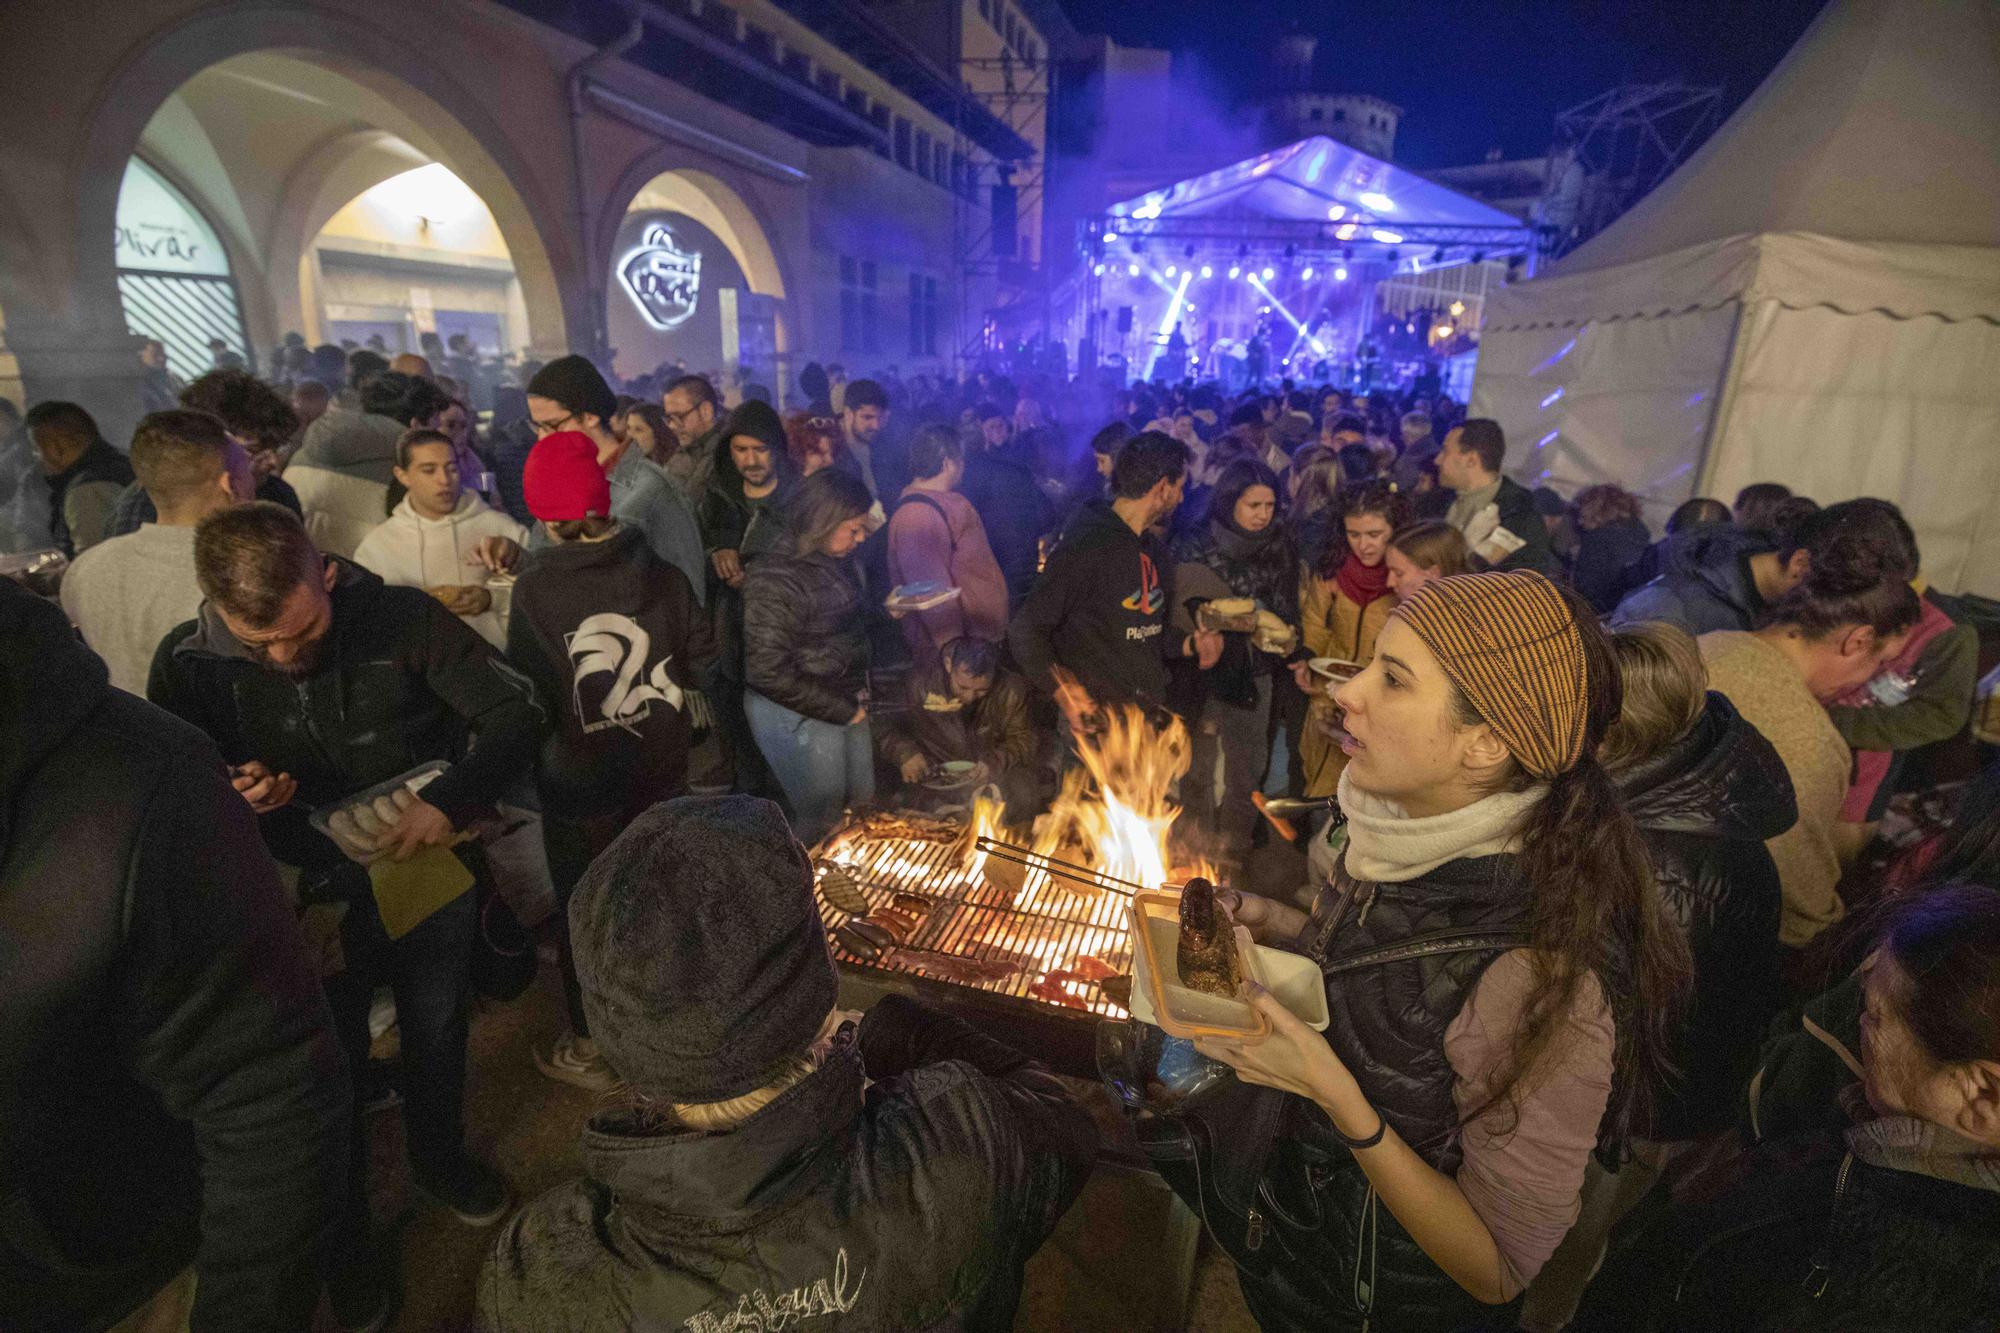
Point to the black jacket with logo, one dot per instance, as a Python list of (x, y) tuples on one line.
[(1099, 610), (911, 1204), (170, 1085), (399, 681), (616, 645)]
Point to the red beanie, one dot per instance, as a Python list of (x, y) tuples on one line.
[(563, 481)]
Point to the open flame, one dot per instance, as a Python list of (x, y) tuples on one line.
[(1114, 814), (1063, 935)]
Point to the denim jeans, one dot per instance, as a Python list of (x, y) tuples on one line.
[(823, 767), (429, 970)]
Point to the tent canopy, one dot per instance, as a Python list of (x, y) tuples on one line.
[(1813, 297), (1863, 174), (1317, 180)]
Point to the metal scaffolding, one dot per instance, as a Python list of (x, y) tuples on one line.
[(1610, 151), (1015, 92)]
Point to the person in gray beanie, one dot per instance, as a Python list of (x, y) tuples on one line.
[(772, 1151)]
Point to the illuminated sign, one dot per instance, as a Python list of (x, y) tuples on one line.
[(663, 280), (157, 232)]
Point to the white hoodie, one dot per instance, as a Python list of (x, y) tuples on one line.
[(411, 551)]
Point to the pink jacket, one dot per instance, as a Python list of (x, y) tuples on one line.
[(936, 536)]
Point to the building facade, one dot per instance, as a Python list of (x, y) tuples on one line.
[(736, 186)]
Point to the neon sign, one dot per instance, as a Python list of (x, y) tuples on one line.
[(663, 280)]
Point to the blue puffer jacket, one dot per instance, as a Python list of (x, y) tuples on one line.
[(1704, 583)]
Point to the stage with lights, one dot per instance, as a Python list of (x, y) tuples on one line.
[(1277, 266)]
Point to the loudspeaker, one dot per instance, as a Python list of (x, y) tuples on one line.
[(1124, 319)]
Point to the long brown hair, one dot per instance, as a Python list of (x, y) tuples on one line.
[(825, 500), (1596, 910)]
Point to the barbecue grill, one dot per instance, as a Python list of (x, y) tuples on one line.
[(1013, 958)]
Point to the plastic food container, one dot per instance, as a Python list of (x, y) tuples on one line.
[(413, 782), (1159, 999), (920, 596)]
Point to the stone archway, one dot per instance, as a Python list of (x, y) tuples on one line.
[(393, 87), (662, 184)]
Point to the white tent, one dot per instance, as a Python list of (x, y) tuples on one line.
[(1813, 298)]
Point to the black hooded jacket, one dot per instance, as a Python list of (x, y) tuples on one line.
[(732, 522), (617, 647), (1706, 805), (400, 681), (170, 1083), (1100, 610), (912, 1204)]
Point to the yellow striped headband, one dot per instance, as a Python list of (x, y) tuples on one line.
[(1510, 642)]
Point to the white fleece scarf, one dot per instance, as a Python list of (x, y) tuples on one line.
[(1387, 846)]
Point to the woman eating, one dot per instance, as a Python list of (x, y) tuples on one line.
[(1343, 603), (1243, 550), (1500, 979)]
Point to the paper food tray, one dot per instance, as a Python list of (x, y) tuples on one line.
[(1156, 933), (1295, 981)]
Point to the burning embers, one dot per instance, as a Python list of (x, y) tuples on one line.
[(908, 892)]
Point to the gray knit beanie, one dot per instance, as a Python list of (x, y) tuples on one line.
[(703, 962)]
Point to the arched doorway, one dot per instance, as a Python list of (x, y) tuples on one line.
[(695, 286), (175, 282), (273, 119), (415, 263), (346, 202)]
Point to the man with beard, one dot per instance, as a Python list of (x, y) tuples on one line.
[(316, 681), (861, 426), (694, 415), (742, 517)]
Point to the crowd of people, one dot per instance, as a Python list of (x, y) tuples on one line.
[(1625, 1033)]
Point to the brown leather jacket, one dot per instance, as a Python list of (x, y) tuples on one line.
[(995, 731)]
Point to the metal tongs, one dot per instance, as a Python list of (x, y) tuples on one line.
[(1056, 868)]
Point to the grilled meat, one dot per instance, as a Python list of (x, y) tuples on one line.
[(1206, 957)]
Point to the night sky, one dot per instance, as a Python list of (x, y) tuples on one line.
[(1471, 74)]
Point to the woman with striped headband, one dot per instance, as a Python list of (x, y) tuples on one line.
[(1500, 978)]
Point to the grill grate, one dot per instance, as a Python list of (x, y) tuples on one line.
[(1044, 928)]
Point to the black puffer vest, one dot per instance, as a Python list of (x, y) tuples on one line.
[(1400, 961), (1316, 1249)]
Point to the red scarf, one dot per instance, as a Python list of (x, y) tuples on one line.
[(1359, 583)]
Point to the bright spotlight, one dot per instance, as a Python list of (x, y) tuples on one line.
[(1235, 270), (1307, 274), (1099, 270), (1340, 275), (1336, 213), (1110, 236), (1131, 270), (1207, 270), (1173, 269), (1381, 203), (1269, 273), (1346, 232), (1386, 236)]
